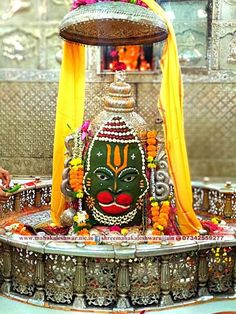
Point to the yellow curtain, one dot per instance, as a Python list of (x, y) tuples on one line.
[(170, 105), (70, 111)]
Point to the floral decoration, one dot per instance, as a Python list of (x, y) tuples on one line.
[(77, 3), (151, 148), (216, 220), (77, 164), (118, 66), (160, 215), (18, 228), (82, 223), (115, 228)]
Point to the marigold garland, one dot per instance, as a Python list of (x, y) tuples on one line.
[(151, 148), (160, 215), (76, 175)]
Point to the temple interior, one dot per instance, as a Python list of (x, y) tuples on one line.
[(119, 173)]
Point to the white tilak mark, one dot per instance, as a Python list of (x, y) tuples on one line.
[(133, 156)]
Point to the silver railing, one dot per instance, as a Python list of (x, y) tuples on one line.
[(115, 277), (213, 199), (35, 196)]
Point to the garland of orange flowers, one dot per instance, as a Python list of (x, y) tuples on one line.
[(151, 148), (76, 174), (160, 215)]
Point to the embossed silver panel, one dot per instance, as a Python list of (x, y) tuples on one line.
[(60, 272), (183, 275)]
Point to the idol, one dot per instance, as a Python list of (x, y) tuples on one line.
[(115, 180)]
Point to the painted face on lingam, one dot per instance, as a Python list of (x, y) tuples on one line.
[(115, 181)]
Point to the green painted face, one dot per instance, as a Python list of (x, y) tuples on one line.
[(115, 178)]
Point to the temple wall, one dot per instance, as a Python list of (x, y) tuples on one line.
[(29, 75)]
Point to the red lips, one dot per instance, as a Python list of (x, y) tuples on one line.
[(114, 206)]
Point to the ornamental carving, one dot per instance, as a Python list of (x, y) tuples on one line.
[(183, 274), (60, 273), (24, 267), (19, 46), (232, 50), (101, 278), (16, 6), (220, 267), (145, 281)]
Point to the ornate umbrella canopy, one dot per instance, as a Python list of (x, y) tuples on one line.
[(113, 23)]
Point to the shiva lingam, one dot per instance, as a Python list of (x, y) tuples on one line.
[(116, 165)]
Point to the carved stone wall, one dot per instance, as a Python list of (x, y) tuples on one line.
[(27, 111), (29, 72)]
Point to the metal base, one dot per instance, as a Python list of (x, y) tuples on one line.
[(166, 300), (203, 291), (123, 303), (38, 298), (79, 303), (6, 288)]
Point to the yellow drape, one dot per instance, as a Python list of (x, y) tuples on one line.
[(170, 105), (70, 111)]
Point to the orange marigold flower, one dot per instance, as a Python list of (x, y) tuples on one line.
[(165, 206), (156, 232), (83, 232), (155, 212), (151, 141), (151, 148), (155, 207), (163, 222), (152, 153), (155, 225), (165, 210), (164, 215), (152, 133)]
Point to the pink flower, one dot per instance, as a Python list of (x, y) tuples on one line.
[(85, 128), (91, 1), (115, 228), (141, 3), (210, 226), (114, 53), (78, 3)]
